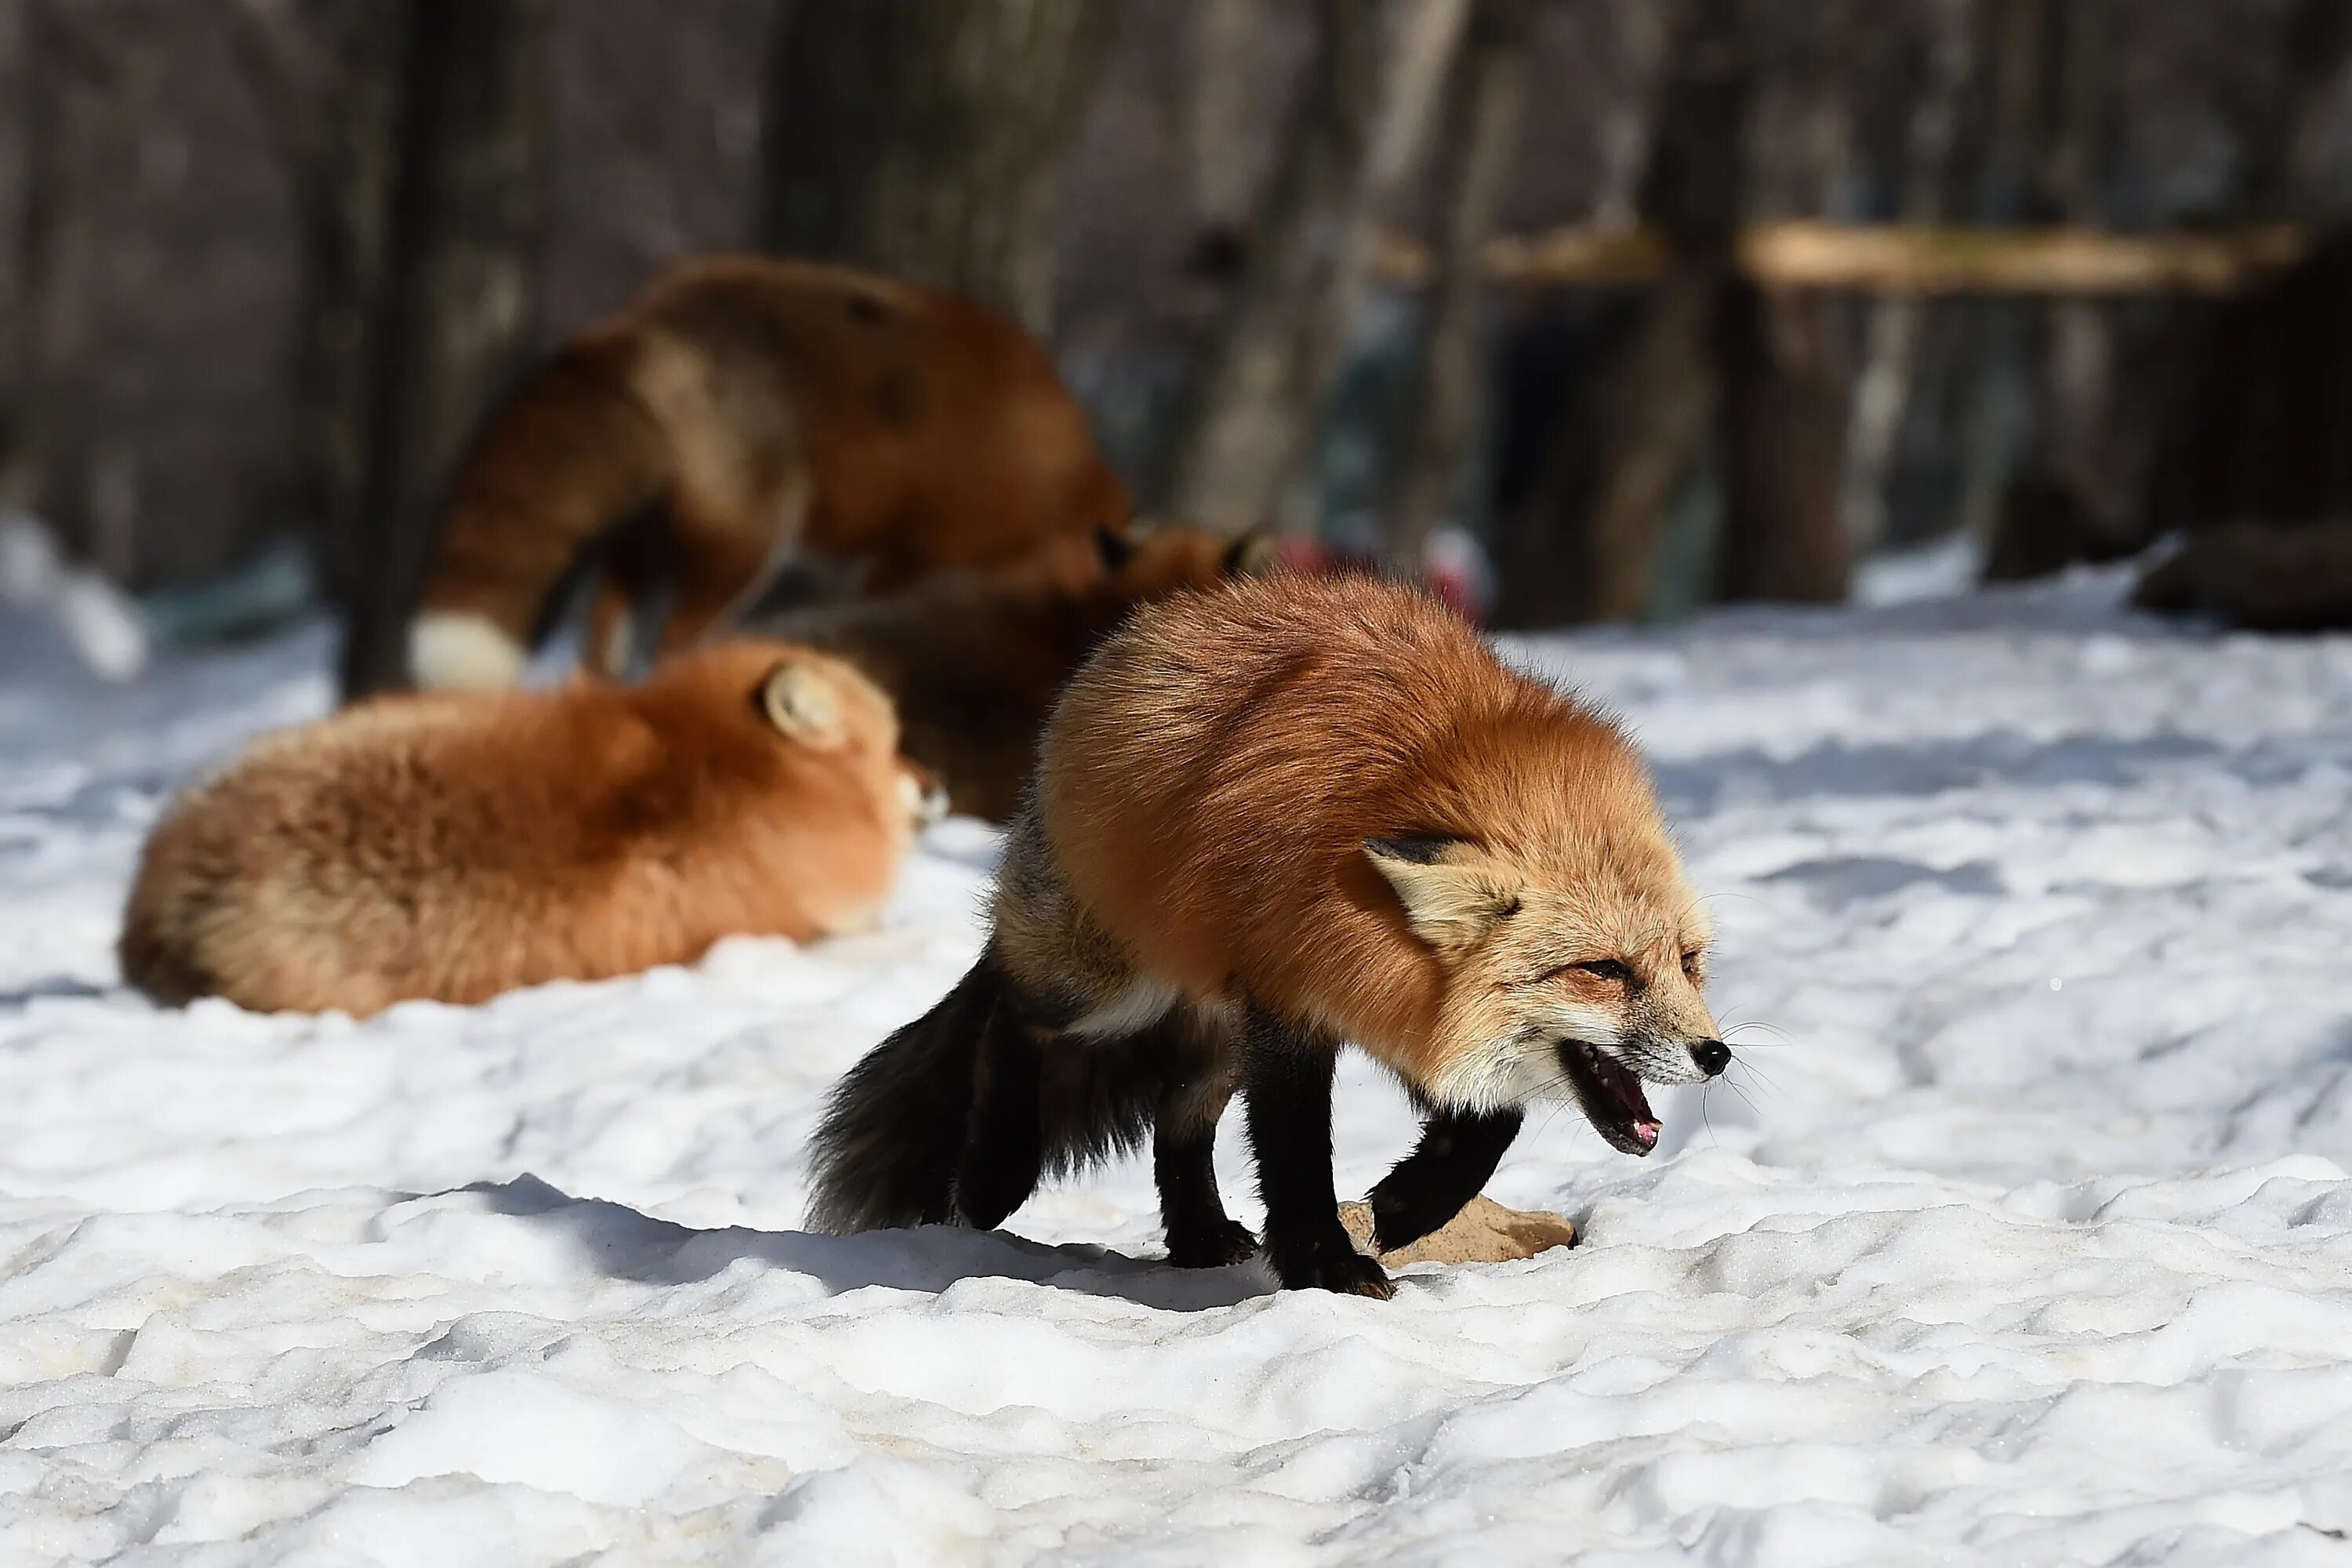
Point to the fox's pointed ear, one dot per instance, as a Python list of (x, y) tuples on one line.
[(1252, 555), (802, 703), (1449, 904), (1116, 546)]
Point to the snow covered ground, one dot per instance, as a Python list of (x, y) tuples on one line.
[(2025, 1235)]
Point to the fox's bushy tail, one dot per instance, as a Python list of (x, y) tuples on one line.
[(568, 456), (898, 1129), (886, 1151)]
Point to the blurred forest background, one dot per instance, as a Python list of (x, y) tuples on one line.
[(1661, 302)]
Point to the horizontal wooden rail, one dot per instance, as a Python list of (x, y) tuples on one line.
[(1899, 259)]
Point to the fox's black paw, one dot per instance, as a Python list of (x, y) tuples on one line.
[(1212, 1246), (1400, 1219), (1333, 1265)]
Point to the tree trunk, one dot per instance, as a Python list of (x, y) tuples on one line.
[(1480, 139), (1576, 554), (1361, 120), (1882, 394), (327, 75), (924, 138), (1654, 426), (2004, 104), (1781, 351), (1783, 411), (2078, 376), (455, 314), (2072, 473), (82, 93), (2258, 427), (1631, 45), (1224, 35), (2319, 71)]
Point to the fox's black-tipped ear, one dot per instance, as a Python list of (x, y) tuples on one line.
[(804, 706), (1114, 545), (1419, 851), (1449, 904), (1251, 555)]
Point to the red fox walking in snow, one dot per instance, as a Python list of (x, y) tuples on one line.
[(1269, 818), (457, 844), (742, 409)]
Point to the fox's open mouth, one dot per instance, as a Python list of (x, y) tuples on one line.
[(1612, 1097)]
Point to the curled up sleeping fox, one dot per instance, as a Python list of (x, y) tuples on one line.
[(454, 845)]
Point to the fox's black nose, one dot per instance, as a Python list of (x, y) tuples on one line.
[(1712, 1056)]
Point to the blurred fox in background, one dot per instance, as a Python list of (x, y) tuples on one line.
[(743, 413), (454, 845), (974, 661)]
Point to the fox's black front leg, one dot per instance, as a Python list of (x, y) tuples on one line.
[(1457, 1152), (1286, 1085)]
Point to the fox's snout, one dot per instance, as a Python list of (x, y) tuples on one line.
[(1666, 1056)]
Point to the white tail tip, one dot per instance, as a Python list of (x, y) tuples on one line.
[(462, 651)]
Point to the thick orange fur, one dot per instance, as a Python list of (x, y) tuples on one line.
[(742, 406), (1208, 784), (455, 845), (974, 661)]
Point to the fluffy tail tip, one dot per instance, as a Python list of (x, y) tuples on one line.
[(885, 1154), (462, 650), (860, 1177)]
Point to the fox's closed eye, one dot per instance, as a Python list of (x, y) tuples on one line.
[(1609, 968), (1691, 963)]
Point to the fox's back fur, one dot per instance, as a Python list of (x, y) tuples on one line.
[(974, 661), (743, 407), (455, 845)]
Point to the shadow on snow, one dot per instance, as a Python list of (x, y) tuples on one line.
[(622, 1244)]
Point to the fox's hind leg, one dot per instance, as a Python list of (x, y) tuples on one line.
[(1057, 970), (1199, 1083), (1457, 1153), (1201, 1234)]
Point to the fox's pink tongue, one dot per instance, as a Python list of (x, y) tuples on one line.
[(1641, 1122)]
